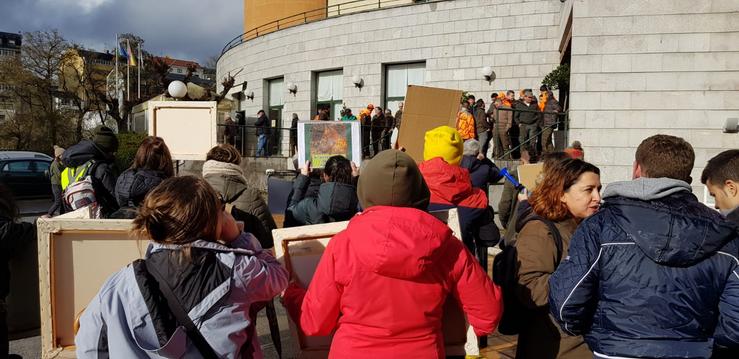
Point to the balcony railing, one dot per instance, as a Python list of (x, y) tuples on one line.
[(317, 15)]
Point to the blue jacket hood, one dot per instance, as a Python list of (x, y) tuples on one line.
[(666, 220)]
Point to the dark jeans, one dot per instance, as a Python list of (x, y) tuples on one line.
[(484, 138), (528, 132), (376, 141)]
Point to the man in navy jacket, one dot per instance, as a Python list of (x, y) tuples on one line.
[(654, 273)]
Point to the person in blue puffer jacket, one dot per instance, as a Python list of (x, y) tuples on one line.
[(654, 273)]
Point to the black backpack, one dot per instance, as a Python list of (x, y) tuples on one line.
[(505, 274)]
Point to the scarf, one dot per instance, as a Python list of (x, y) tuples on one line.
[(212, 167)]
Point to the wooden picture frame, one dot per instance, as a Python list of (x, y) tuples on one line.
[(76, 256), (300, 249)]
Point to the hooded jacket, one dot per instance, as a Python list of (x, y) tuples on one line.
[(229, 181), (104, 173), (129, 317), (382, 284), (451, 187), (335, 202), (653, 274)]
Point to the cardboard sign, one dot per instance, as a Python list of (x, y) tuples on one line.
[(320, 140), (528, 175), (425, 109), (188, 127), (300, 250)]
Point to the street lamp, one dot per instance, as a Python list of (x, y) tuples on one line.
[(177, 89)]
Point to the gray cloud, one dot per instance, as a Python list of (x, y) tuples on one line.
[(184, 29)]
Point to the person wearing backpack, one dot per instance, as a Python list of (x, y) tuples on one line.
[(151, 165), (199, 268), (569, 193), (223, 172), (94, 160)]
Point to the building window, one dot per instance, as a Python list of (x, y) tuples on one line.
[(179, 70), (329, 92), (397, 79)]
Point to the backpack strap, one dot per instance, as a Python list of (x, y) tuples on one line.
[(181, 315)]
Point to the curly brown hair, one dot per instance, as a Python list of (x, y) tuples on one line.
[(666, 156), (546, 200), (224, 153)]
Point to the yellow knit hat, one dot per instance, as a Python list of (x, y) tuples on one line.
[(444, 142)]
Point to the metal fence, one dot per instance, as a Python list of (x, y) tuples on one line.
[(535, 144)]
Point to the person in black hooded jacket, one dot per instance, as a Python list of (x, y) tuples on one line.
[(13, 236), (100, 151), (337, 196), (151, 165)]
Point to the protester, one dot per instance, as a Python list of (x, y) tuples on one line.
[(482, 126), (399, 115), (337, 197), (199, 264), (544, 96), (294, 135), (348, 115), (527, 116), (451, 187), (151, 165), (55, 176), (471, 103), (388, 130), (576, 151), (381, 284), (229, 130), (13, 237), (721, 177), (509, 198), (653, 273), (569, 193), (263, 126), (549, 121), (465, 122), (223, 172), (378, 128), (365, 120), (503, 124), (483, 172), (94, 158)]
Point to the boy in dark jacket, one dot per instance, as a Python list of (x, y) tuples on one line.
[(100, 150), (13, 236), (653, 273)]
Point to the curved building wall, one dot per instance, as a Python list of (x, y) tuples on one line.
[(455, 39)]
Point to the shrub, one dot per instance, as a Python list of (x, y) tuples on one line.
[(558, 78), (128, 144)]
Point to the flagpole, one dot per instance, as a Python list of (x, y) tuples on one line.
[(128, 71), (139, 70)]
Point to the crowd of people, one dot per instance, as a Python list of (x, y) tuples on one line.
[(639, 269)]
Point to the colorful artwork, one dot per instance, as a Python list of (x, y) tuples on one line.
[(319, 141)]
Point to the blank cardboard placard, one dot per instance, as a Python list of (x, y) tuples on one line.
[(528, 175), (300, 250), (76, 256), (188, 127), (425, 109)]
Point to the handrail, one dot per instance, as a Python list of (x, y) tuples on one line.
[(317, 15)]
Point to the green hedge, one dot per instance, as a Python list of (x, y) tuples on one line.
[(128, 144)]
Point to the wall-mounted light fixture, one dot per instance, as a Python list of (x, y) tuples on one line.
[(357, 81), (292, 88), (731, 125), (488, 73), (249, 94)]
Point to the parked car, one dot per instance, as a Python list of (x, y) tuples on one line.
[(26, 173)]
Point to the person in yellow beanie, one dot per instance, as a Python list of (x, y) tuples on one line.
[(444, 142)]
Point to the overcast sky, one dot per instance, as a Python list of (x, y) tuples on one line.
[(183, 29)]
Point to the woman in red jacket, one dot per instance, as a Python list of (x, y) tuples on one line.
[(382, 282)]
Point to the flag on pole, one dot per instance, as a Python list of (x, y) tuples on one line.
[(122, 51), (132, 58)]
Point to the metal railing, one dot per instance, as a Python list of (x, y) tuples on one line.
[(318, 14), (561, 124)]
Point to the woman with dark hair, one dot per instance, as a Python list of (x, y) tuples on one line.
[(13, 236), (199, 268), (151, 165), (222, 170), (337, 197), (567, 194)]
